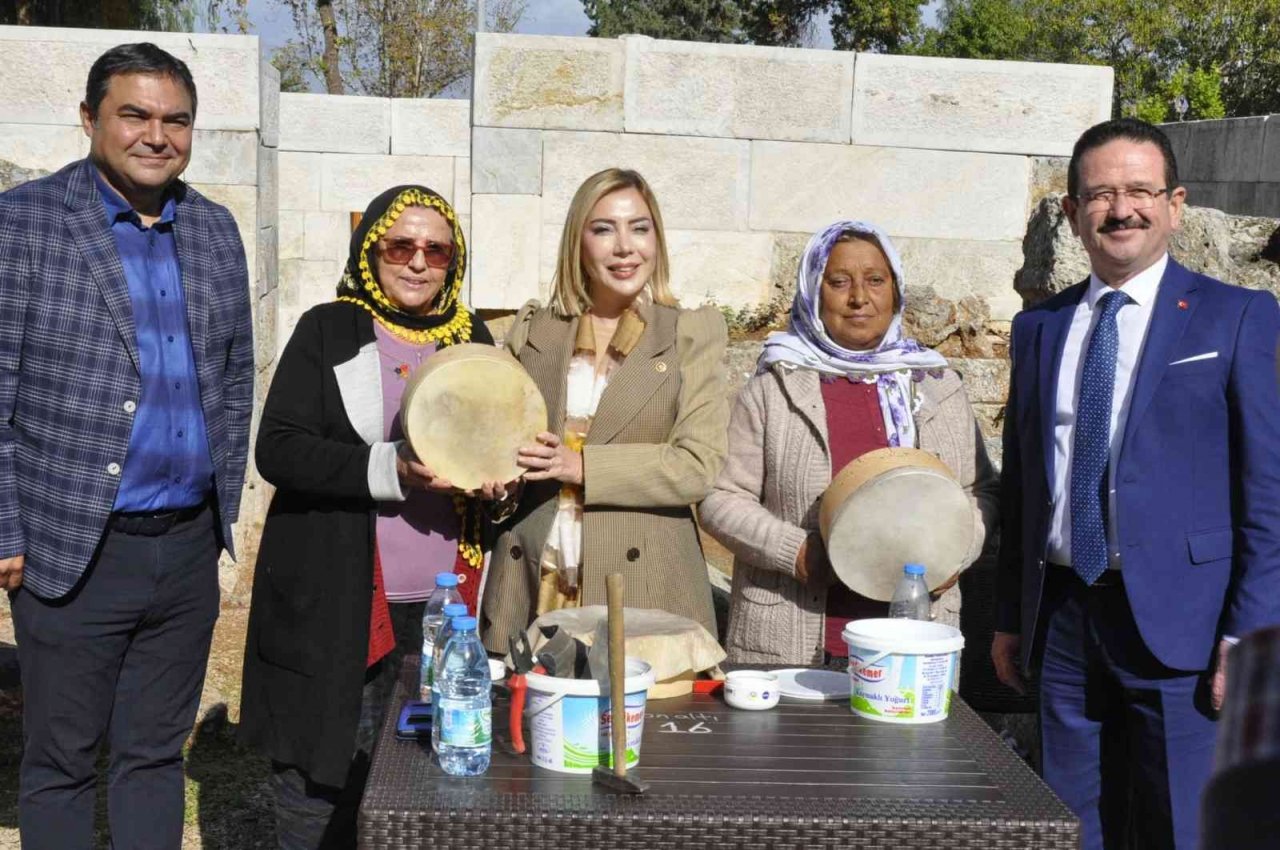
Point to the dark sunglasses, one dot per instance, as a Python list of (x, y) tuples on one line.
[(437, 254)]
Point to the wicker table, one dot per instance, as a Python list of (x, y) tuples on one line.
[(801, 775)]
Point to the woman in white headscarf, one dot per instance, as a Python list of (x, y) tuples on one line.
[(841, 382)]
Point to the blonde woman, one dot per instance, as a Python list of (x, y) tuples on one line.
[(635, 394)]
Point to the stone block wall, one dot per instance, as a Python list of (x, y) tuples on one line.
[(336, 154), (751, 149), (42, 82), (1231, 164)]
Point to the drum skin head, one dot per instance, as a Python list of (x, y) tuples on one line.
[(892, 507), (467, 410)]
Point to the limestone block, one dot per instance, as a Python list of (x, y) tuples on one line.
[(504, 250), (1267, 199), (267, 267), (266, 329), (1219, 151), (462, 186), (44, 147), (938, 194), (1237, 198), (350, 181), (692, 89), (701, 184), (223, 156), (720, 267), (506, 162), (966, 104), (335, 123), (268, 185), (431, 127), (43, 74), (303, 284), (327, 236), (956, 268), (242, 202), (541, 81), (291, 234), (269, 105), (986, 380), (300, 180)]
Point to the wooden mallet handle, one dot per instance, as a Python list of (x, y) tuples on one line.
[(617, 673)]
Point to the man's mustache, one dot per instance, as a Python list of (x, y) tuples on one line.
[(1114, 224)]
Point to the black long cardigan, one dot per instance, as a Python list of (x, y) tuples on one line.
[(307, 642)]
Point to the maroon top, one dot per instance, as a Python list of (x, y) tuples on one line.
[(855, 426)]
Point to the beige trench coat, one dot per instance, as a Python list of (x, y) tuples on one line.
[(654, 448), (765, 502)]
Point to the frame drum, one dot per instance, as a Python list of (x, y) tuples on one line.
[(466, 411), (892, 507)]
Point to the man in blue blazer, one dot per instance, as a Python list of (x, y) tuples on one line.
[(126, 385), (1141, 499)]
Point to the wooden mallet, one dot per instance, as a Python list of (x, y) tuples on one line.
[(617, 778)]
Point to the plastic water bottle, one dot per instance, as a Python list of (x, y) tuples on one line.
[(462, 736), (432, 616), (911, 596), (451, 612)]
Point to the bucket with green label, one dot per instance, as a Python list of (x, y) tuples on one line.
[(902, 671), (570, 723)]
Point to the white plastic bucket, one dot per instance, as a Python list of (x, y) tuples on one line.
[(902, 671), (569, 721)]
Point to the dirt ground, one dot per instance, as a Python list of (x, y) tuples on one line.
[(227, 805)]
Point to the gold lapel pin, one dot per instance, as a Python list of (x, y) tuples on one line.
[(660, 366)]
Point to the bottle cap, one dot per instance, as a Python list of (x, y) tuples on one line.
[(455, 609), (913, 569), (464, 624), (446, 580)]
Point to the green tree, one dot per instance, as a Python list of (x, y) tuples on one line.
[(879, 26), (387, 48), (170, 15), (1224, 56), (681, 20)]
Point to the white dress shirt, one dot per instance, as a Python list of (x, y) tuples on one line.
[(1132, 321)]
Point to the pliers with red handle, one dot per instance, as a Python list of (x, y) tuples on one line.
[(521, 663)]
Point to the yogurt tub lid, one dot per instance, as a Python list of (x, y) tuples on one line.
[(901, 635), (747, 675), (639, 678)]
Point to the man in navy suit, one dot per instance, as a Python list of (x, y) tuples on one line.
[(1141, 500), (126, 385)]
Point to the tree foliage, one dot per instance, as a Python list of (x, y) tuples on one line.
[(878, 26), (171, 15), (1223, 56), (386, 48)]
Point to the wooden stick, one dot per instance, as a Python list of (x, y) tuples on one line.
[(617, 673)]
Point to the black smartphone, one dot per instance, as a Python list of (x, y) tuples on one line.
[(415, 720)]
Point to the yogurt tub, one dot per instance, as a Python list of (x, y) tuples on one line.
[(569, 720), (902, 671), (753, 690)]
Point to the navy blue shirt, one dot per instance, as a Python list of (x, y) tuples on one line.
[(168, 465)]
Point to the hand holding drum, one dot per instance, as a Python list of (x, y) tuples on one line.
[(465, 413), (892, 507)]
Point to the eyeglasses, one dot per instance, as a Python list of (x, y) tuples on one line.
[(1104, 199), (437, 254)]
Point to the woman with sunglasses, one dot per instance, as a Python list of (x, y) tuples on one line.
[(358, 530)]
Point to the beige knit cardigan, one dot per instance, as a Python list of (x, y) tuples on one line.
[(765, 502)]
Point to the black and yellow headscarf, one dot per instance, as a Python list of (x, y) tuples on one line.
[(449, 322)]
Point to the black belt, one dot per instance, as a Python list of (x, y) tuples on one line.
[(1109, 578), (152, 523)]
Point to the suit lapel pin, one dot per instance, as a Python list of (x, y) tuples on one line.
[(1182, 304), (660, 367)]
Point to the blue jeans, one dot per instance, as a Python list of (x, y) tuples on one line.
[(310, 816)]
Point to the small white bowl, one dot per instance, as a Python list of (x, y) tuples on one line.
[(754, 690)]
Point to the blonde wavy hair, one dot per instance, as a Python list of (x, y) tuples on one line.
[(569, 295)]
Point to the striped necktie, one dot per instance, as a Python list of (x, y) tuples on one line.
[(1091, 450)]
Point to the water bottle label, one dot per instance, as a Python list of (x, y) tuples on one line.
[(426, 670), (465, 727)]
